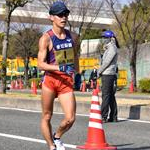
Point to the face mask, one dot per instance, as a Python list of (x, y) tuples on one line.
[(106, 40)]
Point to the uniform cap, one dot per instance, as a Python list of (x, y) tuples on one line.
[(58, 7)]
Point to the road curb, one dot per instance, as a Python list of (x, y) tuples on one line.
[(125, 111)]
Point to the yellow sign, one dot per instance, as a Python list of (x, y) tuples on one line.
[(33, 62), (88, 63), (0, 57), (14, 64)]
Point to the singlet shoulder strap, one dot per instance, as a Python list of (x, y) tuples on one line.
[(50, 33), (68, 33)]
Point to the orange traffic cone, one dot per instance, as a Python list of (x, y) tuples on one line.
[(12, 84), (97, 86), (33, 87), (20, 84), (95, 137), (16, 85), (131, 89), (83, 86)]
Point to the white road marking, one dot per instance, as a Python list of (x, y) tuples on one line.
[(83, 115), (19, 109), (32, 139), (132, 120), (22, 138)]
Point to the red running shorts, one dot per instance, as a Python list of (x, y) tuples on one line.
[(59, 83)]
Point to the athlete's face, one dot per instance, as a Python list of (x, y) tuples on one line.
[(60, 19)]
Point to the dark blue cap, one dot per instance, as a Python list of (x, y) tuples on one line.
[(58, 7)]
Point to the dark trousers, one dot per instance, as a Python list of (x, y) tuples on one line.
[(94, 84), (108, 97)]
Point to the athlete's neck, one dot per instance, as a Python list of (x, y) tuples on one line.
[(60, 33)]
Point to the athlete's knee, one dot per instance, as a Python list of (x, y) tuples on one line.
[(47, 116), (70, 120)]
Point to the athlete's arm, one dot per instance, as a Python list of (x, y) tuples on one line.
[(76, 50), (44, 44)]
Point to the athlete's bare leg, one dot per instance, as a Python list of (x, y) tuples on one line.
[(47, 112), (68, 104)]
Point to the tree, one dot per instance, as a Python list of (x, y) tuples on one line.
[(11, 5), (25, 46), (85, 12), (1, 36), (92, 34), (134, 26), (1, 39)]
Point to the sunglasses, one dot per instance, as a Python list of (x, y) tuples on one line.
[(61, 15)]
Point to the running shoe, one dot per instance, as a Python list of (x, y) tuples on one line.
[(59, 144)]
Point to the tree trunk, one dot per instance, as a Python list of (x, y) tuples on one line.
[(133, 75), (26, 72), (133, 66), (5, 49)]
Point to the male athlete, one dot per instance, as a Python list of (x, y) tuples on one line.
[(57, 56)]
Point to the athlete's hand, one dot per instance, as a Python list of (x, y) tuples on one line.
[(67, 69)]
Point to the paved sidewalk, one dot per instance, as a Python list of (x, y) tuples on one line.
[(122, 99), (134, 106)]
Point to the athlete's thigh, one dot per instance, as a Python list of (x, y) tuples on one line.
[(68, 103), (48, 97)]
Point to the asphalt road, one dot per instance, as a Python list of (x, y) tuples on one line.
[(20, 130)]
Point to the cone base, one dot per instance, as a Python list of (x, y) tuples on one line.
[(96, 147)]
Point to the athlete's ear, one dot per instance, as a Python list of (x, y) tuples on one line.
[(51, 17)]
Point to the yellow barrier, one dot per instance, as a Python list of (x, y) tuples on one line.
[(121, 82), (33, 61), (88, 63), (84, 64), (14, 64), (122, 74)]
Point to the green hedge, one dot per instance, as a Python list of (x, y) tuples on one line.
[(144, 85)]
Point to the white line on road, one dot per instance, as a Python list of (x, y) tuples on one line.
[(19, 109), (141, 121), (22, 138), (84, 115), (32, 139)]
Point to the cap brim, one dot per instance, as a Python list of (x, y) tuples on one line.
[(61, 11)]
